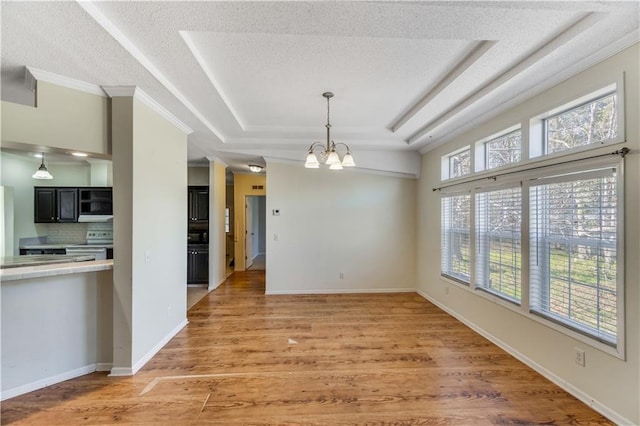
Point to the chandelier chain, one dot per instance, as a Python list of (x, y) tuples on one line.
[(329, 154)]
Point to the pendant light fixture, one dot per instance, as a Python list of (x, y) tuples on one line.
[(42, 172), (328, 153)]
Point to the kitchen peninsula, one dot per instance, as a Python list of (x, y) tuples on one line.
[(57, 322)]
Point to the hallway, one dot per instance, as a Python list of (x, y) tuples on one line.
[(315, 359)]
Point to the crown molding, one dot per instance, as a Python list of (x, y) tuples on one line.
[(142, 96), (33, 75), (151, 103), (92, 9), (216, 160), (119, 91)]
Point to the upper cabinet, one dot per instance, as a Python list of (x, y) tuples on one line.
[(53, 205), (65, 205), (96, 201), (198, 204)]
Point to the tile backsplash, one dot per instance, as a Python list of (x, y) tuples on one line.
[(74, 233)]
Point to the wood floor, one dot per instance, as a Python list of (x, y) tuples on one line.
[(246, 358)]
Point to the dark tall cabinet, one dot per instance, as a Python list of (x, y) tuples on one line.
[(198, 255), (197, 264), (198, 204), (53, 205)]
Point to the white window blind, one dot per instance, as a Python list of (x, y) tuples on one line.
[(498, 258), (573, 252), (455, 234)]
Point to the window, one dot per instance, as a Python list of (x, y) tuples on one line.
[(460, 164), (573, 252), (589, 123), (456, 164), (227, 220), (456, 214), (503, 150), (546, 239), (498, 259)]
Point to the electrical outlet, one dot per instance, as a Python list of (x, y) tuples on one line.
[(341, 275), (580, 358)]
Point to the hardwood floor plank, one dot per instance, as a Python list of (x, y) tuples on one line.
[(339, 359)]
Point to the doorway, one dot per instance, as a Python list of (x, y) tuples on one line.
[(256, 232)]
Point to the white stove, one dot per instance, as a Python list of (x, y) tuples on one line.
[(99, 239)]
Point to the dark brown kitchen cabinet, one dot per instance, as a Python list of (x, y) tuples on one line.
[(96, 201), (197, 264), (53, 205), (198, 204)]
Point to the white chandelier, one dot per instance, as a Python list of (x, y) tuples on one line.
[(328, 153)]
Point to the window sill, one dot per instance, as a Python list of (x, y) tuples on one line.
[(615, 351)]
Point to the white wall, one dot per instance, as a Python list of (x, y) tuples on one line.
[(6, 220), (198, 176), (159, 231), (359, 224), (64, 118), (607, 382), (54, 328), (262, 220), (259, 222), (150, 228)]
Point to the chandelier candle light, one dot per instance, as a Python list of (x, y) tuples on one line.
[(328, 153)]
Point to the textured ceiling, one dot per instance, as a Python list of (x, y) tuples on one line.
[(248, 76)]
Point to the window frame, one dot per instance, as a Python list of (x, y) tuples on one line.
[(537, 133), (570, 107), (458, 279), (477, 255), (525, 177), (445, 163), (584, 331), (481, 163)]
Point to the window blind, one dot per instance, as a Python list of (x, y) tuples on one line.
[(498, 235), (573, 258), (455, 234)]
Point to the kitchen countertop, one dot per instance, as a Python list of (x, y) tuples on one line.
[(45, 259), (52, 269), (60, 246), (43, 246)]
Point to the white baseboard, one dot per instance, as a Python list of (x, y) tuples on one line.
[(104, 366), (130, 371), (582, 396), (216, 285), (342, 291), (147, 357), (120, 371), (48, 381)]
